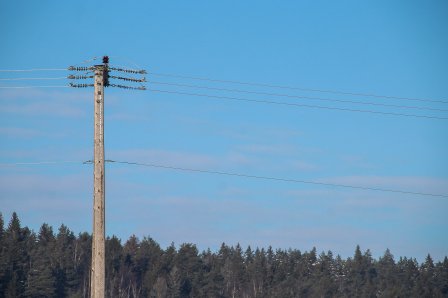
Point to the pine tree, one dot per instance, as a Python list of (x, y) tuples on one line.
[(425, 283), (388, 284), (407, 270), (3, 257), (213, 282), (82, 260), (324, 285), (148, 262), (114, 257), (188, 263), (16, 258), (2, 227), (65, 271), (442, 277), (259, 282), (238, 275), (129, 278), (59, 266), (41, 280)]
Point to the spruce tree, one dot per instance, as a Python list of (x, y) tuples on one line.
[(41, 279), (16, 258), (65, 270), (3, 257)]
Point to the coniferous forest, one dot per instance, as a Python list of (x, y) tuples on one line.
[(57, 263)]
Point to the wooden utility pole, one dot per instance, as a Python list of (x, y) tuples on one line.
[(101, 80), (98, 276)]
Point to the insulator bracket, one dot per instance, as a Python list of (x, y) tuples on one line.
[(128, 87), (80, 68), (80, 85), (138, 71), (72, 77), (129, 79)]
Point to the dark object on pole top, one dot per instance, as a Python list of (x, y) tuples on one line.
[(106, 73)]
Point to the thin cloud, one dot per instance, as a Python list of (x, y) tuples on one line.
[(44, 103), (357, 162), (31, 185), (267, 149), (305, 166), (36, 94), (47, 154), (45, 108), (25, 133)]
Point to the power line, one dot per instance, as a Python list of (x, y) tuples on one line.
[(40, 163), (33, 69), (253, 84), (240, 91), (30, 87), (275, 178), (296, 96), (298, 105), (297, 88), (152, 165), (24, 79)]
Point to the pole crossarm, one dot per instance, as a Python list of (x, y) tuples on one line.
[(107, 70)]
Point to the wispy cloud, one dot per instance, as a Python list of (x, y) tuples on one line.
[(27, 184), (122, 116), (266, 149), (51, 198), (33, 94), (25, 133), (44, 108), (357, 162), (43, 103), (304, 166), (42, 154)]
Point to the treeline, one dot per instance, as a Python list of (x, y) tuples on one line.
[(49, 264)]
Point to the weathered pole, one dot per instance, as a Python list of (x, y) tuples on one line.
[(101, 80), (97, 283)]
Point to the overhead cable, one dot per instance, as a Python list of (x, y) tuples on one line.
[(184, 169), (275, 178), (33, 69), (3, 164), (297, 88), (25, 79), (296, 96), (298, 105), (30, 87)]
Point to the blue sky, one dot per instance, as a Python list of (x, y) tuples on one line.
[(395, 48)]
